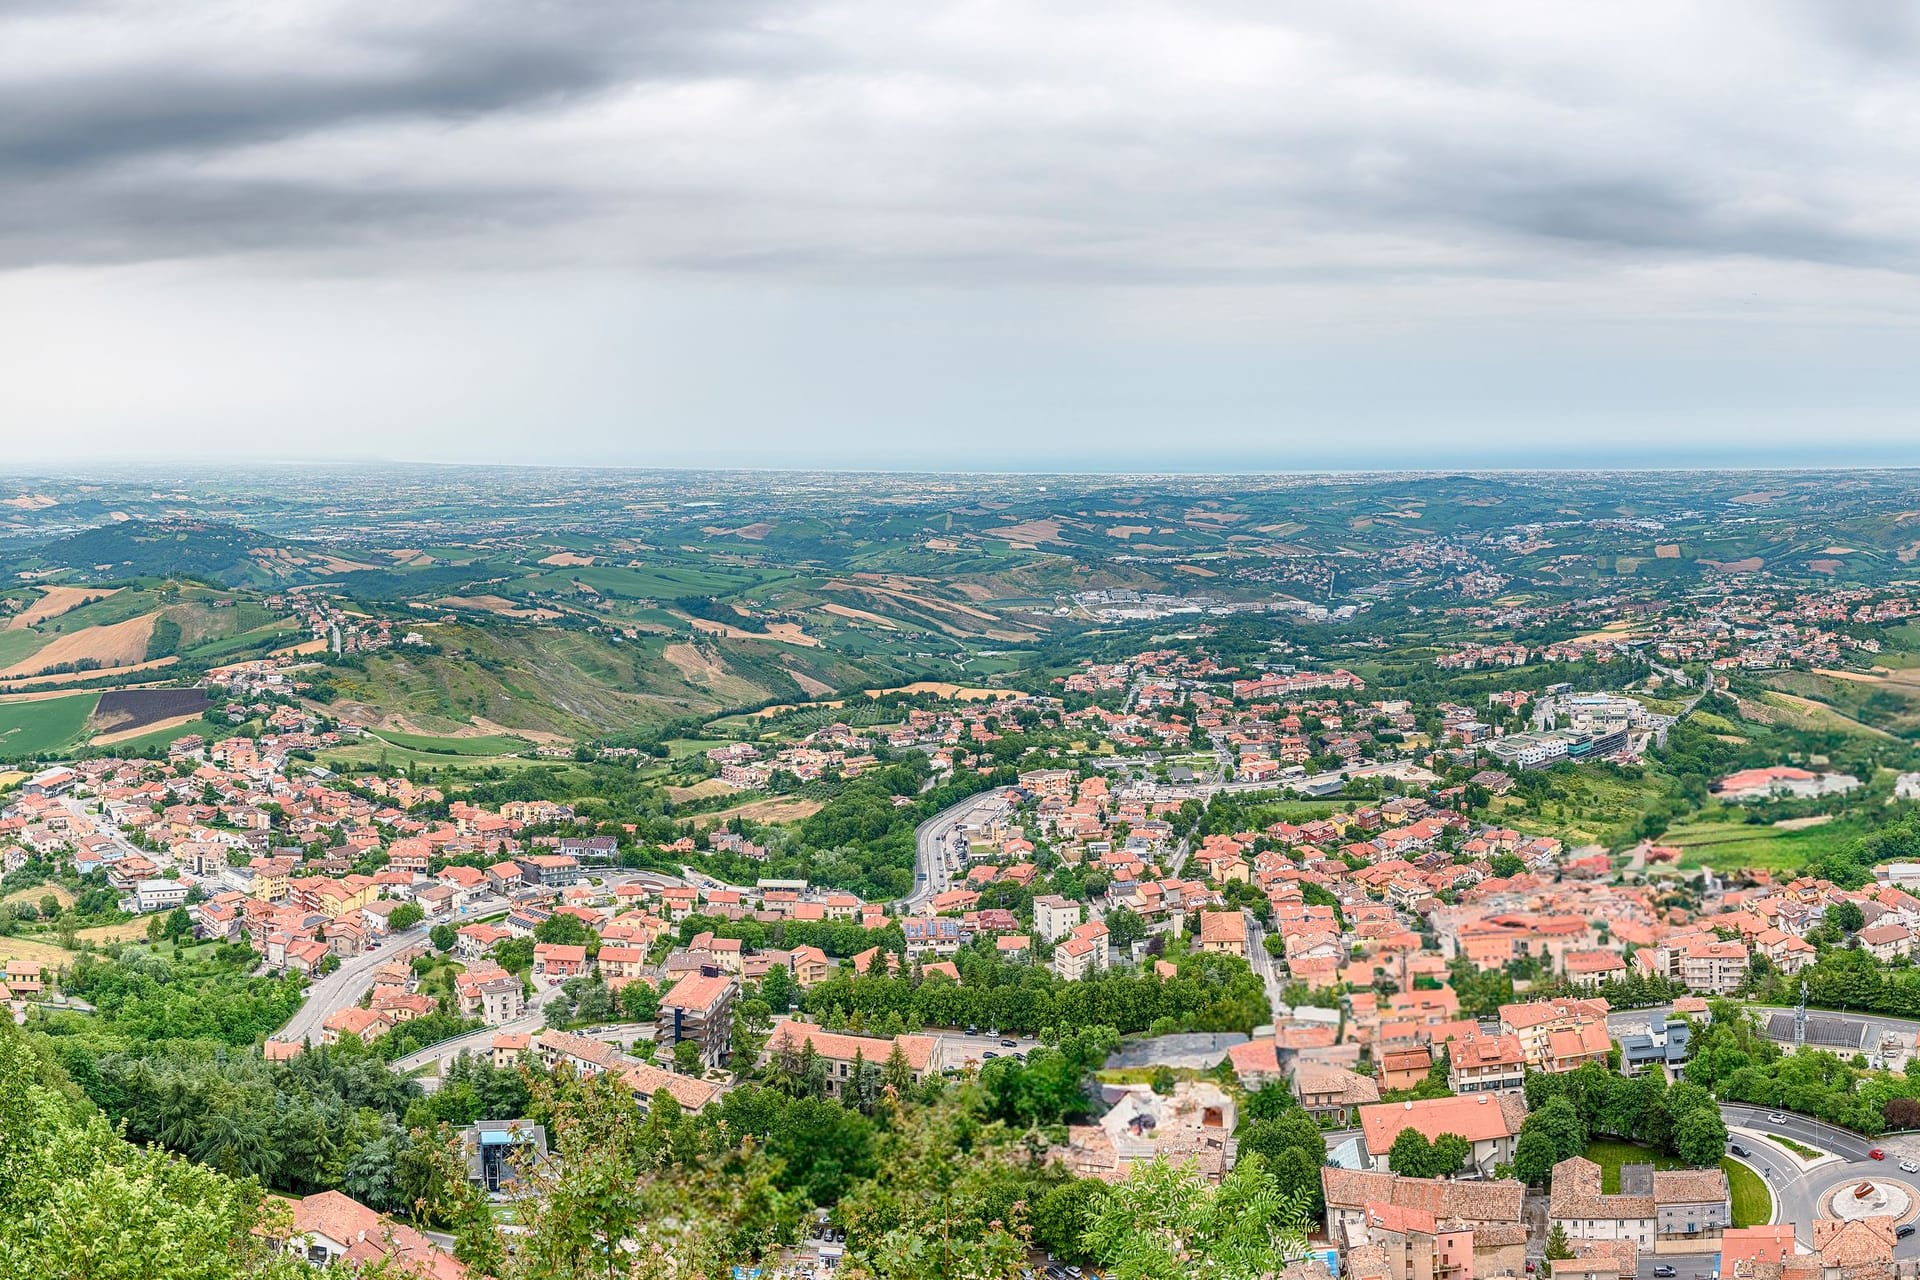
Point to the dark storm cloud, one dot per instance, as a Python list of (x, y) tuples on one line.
[(1143, 142), (362, 64)]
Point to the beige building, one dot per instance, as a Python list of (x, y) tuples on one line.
[(1224, 932), (1486, 1064), (1394, 1228), (1329, 1092), (1054, 917)]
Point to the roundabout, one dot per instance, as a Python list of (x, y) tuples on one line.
[(1859, 1198), (1842, 1181)]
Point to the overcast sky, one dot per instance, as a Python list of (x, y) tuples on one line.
[(1031, 234)]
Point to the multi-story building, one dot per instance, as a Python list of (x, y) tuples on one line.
[(1714, 967), (553, 870), (1224, 932), (1054, 917), (844, 1056), (699, 1008), (1486, 1064), (1535, 1022), (1379, 1222), (1329, 1092), (1490, 1123)]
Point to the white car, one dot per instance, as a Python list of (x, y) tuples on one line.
[(1908, 1166), (1776, 1117)]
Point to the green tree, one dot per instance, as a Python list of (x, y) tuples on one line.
[(1558, 1248), (1061, 1216), (443, 937), (639, 1002), (405, 916), (565, 930), (1700, 1136), (1534, 1157), (686, 1057), (1167, 1223), (1124, 928), (179, 925)]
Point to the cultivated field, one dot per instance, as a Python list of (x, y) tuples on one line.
[(122, 644), (780, 809), (42, 726), (55, 601), (126, 711)]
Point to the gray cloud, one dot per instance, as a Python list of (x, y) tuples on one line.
[(747, 230), (1144, 142)]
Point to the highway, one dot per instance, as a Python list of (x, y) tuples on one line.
[(345, 986), (940, 849)]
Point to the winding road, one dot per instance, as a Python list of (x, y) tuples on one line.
[(940, 848), (1800, 1185)]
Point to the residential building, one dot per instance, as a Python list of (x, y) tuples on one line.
[(845, 1056), (1366, 1222), (1692, 1204), (1054, 917), (1664, 1045), (1224, 932), (1486, 1064), (1578, 1205), (330, 1228), (1489, 1122), (551, 870), (699, 1008), (1534, 1023), (1329, 1092)]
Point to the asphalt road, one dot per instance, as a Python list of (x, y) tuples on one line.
[(345, 986), (482, 1040), (1263, 964), (1798, 1189), (1798, 1186), (936, 857)]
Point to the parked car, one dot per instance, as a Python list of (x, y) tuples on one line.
[(1009, 1044), (1876, 1154), (1776, 1117)]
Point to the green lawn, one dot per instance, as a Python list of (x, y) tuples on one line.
[(1800, 1149), (17, 646), (1732, 845), (1752, 1202), (1610, 1155), (46, 726)]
